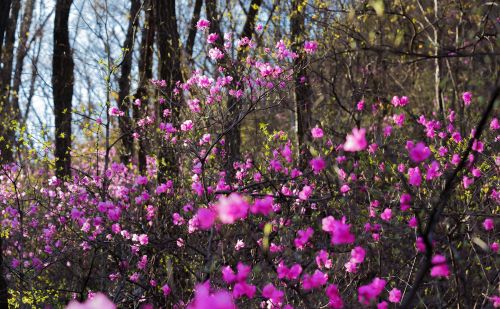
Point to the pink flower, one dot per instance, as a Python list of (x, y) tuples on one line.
[(203, 299), (270, 292), (98, 301), (440, 268), (262, 206), (433, 171), (310, 47), (495, 300), (232, 208), (396, 101), (322, 260), (467, 97), (317, 164), (244, 289), (212, 38), (215, 54), (339, 231), (415, 178), (399, 119), (305, 193), (488, 224), (358, 255), (114, 111), (202, 24), (334, 296), (394, 295), (166, 289), (205, 218), (316, 280), (419, 152), (303, 237), (368, 293), (494, 124), (317, 132), (356, 141), (386, 215)]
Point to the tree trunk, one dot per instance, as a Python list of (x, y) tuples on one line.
[(7, 129), (22, 51), (192, 30), (125, 122), (4, 20), (62, 88), (303, 91), (170, 71), (145, 73)]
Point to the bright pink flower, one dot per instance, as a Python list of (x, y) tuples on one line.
[(205, 218), (419, 152), (334, 296), (495, 301), (433, 171), (317, 164), (232, 208), (228, 275), (439, 268), (322, 260), (488, 224), (394, 295), (215, 54), (317, 132), (339, 230), (114, 111), (356, 141), (316, 280), (494, 124), (270, 292), (414, 176), (305, 193), (368, 293), (399, 119), (244, 289), (166, 289), (303, 237), (467, 97), (358, 255), (386, 215), (262, 206), (202, 24), (212, 38), (310, 47), (99, 301), (203, 299)]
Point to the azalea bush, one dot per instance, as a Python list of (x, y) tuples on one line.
[(395, 209)]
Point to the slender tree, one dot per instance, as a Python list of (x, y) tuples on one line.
[(303, 91), (170, 71), (62, 88), (192, 29), (125, 122)]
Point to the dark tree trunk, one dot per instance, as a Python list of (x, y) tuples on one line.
[(303, 91), (22, 50), (170, 71), (125, 122), (145, 73), (7, 128), (192, 30), (62, 88), (4, 20)]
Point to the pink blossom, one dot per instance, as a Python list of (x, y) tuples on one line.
[(419, 152), (322, 260), (316, 280), (114, 111), (215, 54), (335, 301), (275, 295), (356, 141), (394, 295), (386, 215), (212, 38), (98, 301), (205, 218), (415, 178), (488, 224), (317, 132), (232, 208), (303, 237), (244, 289), (317, 164), (339, 230), (494, 124), (262, 206), (467, 97), (368, 293), (203, 299), (305, 193), (310, 47), (202, 24), (439, 268)]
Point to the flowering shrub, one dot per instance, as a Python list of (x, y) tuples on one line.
[(365, 223)]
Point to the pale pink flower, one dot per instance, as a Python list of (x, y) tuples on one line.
[(232, 208), (98, 301), (356, 141)]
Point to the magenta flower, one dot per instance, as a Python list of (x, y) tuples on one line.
[(202, 24), (394, 295), (232, 208), (316, 280), (98, 301), (310, 47), (212, 38), (166, 289), (356, 141), (488, 224), (114, 111), (272, 293), (205, 218), (335, 301), (386, 215), (303, 237), (419, 152), (414, 176), (440, 268), (317, 164), (262, 206), (339, 230), (368, 293), (467, 97), (317, 132)]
